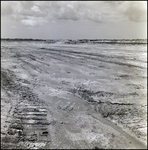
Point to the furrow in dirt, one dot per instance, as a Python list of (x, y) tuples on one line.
[(98, 59)]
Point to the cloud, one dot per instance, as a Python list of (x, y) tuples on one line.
[(35, 8), (6, 8), (33, 21), (29, 22), (135, 10), (33, 13), (66, 12)]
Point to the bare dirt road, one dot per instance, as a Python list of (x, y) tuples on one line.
[(64, 98)]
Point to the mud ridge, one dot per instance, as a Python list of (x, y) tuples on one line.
[(120, 111)]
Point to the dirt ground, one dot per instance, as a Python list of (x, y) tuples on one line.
[(60, 98)]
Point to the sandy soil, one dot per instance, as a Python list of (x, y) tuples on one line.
[(64, 98)]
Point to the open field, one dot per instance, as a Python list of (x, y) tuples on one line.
[(73, 96)]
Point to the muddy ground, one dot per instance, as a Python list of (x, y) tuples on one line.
[(65, 98)]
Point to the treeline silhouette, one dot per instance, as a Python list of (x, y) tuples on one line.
[(80, 41)]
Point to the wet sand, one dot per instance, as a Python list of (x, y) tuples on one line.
[(63, 97)]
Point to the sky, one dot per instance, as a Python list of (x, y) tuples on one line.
[(74, 19)]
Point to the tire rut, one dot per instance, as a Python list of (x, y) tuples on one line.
[(95, 57), (28, 127)]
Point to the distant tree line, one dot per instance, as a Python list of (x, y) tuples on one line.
[(20, 39), (79, 41)]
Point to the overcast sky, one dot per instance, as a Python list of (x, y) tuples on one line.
[(74, 19)]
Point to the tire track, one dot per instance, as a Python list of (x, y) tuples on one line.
[(28, 126), (94, 57)]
